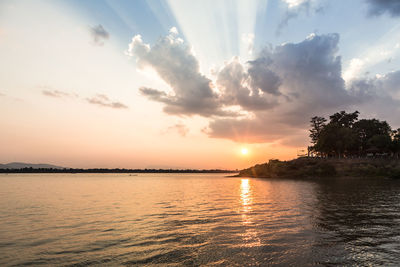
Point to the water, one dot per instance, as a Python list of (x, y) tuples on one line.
[(196, 219)]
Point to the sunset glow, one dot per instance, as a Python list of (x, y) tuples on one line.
[(199, 132), (160, 84)]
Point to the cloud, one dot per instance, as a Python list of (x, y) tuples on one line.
[(379, 96), (99, 34), (262, 77), (48, 91), (173, 31), (104, 101), (175, 63), (193, 93), (1, 94), (387, 85), (271, 97), (99, 99), (154, 94), (380, 7), (247, 89), (180, 128), (301, 80), (294, 8), (355, 66), (295, 3)]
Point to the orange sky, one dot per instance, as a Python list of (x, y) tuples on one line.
[(45, 49)]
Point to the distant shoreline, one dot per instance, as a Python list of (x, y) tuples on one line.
[(100, 170)]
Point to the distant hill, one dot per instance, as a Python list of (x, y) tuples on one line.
[(21, 165)]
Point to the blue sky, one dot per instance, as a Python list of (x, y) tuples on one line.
[(213, 28), (188, 77), (152, 19)]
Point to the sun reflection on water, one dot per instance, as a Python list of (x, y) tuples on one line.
[(245, 195), (250, 235)]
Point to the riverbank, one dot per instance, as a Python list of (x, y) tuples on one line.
[(320, 168)]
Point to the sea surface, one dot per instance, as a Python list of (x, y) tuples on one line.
[(197, 219)]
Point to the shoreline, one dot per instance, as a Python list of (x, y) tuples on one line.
[(320, 168)]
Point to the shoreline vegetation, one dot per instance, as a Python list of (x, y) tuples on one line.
[(317, 168), (344, 146)]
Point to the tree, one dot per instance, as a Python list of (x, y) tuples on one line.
[(368, 128), (336, 140), (344, 119), (346, 136), (381, 142), (317, 124)]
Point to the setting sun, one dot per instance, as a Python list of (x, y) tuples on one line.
[(244, 151)]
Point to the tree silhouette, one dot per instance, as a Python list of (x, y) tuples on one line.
[(346, 136)]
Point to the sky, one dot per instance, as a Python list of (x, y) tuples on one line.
[(188, 84)]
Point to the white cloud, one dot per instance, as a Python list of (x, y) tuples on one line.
[(382, 50), (355, 66), (174, 31), (174, 62), (294, 3)]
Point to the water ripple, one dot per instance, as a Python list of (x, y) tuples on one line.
[(197, 220)]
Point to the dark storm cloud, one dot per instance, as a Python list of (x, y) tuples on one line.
[(103, 101), (379, 7), (99, 34)]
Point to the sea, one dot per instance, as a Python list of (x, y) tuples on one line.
[(197, 220)]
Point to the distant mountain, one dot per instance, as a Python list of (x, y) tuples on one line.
[(20, 165)]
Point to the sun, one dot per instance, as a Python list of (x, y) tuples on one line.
[(244, 151)]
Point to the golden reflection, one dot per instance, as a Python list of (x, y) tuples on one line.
[(250, 235), (245, 194)]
